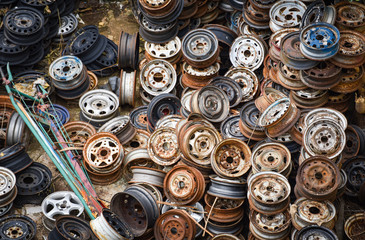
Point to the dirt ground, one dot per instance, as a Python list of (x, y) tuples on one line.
[(111, 18)]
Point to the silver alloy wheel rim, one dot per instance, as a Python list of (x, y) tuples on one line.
[(247, 51), (282, 14), (157, 77), (163, 50), (61, 203), (99, 104)]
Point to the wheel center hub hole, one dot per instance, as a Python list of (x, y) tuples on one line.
[(247, 53), (181, 184), (83, 41), (288, 17), (135, 144), (166, 111), (270, 159), (166, 146), (63, 205), (28, 180), (319, 37), (318, 175), (348, 44), (24, 21), (103, 152), (66, 69), (324, 139), (314, 210), (203, 144), (269, 188), (200, 46), (229, 159), (349, 143), (173, 230), (158, 77)]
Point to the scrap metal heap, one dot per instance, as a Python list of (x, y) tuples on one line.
[(247, 128)]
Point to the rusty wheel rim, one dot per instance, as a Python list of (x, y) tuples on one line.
[(279, 117), (318, 178), (163, 147), (326, 114), (79, 131), (198, 77), (350, 80), (231, 158), (174, 225), (269, 188), (354, 226), (352, 51), (248, 81), (325, 138), (225, 210), (290, 53), (323, 76), (200, 142), (270, 226), (271, 157), (353, 143), (140, 140), (309, 98), (93, 80), (184, 185), (275, 42), (268, 97), (158, 76), (290, 78), (311, 212), (350, 14), (102, 150), (296, 132)]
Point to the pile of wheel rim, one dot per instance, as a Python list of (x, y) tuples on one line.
[(247, 128)]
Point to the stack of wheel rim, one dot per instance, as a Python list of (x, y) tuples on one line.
[(69, 77), (96, 51), (103, 156), (200, 51), (23, 35), (157, 77), (268, 195), (68, 26), (98, 107), (256, 13), (8, 187), (158, 21)]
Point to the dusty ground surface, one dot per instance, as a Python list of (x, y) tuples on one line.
[(111, 18)]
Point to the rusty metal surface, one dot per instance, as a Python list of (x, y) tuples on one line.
[(184, 185), (173, 222), (318, 178)]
